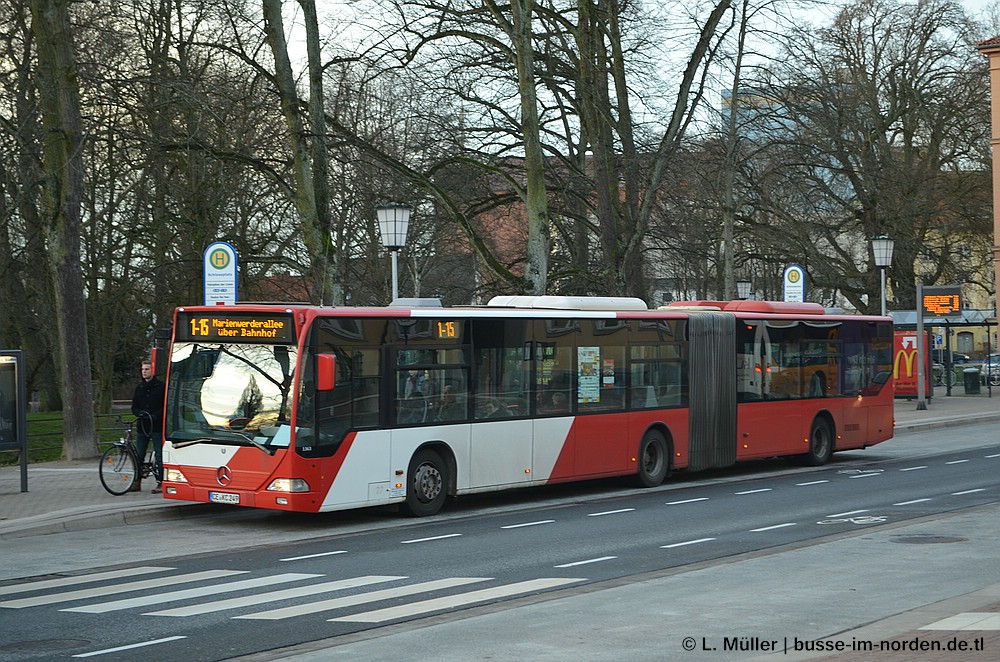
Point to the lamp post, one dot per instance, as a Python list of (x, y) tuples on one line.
[(393, 222), (743, 289), (882, 249)]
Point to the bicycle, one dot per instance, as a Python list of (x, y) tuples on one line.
[(120, 467)]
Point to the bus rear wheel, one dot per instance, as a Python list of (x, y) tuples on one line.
[(427, 484), (654, 462), (820, 444)]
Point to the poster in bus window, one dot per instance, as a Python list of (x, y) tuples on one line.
[(588, 374), (608, 378), (904, 364)]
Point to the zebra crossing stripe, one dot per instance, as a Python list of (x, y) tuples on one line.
[(143, 644), (99, 591), (462, 599), (79, 579), (362, 598), (235, 603), (159, 598)]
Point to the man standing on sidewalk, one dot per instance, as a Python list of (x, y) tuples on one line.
[(147, 406)]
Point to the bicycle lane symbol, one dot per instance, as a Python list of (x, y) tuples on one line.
[(860, 472), (864, 519)]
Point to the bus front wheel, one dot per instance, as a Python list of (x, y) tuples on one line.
[(653, 459), (820, 444), (427, 484)]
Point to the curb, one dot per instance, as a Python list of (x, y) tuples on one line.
[(67, 521), (87, 518), (938, 423)]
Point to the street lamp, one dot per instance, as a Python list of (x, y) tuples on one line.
[(393, 221), (743, 289), (882, 249)]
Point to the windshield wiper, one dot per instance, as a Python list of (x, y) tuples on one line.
[(242, 437), (189, 442), (264, 447)]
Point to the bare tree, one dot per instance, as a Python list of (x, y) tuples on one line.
[(308, 163), (874, 119), (59, 98)]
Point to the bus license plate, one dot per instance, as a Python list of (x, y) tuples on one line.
[(223, 497)]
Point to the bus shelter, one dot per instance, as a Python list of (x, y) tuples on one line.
[(975, 334)]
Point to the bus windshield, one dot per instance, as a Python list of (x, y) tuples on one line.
[(222, 393)]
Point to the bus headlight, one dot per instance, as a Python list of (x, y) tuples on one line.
[(174, 476), (288, 485)]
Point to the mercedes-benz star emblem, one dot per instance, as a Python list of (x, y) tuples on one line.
[(224, 475)]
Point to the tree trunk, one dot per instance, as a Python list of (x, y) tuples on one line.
[(535, 195), (317, 241), (59, 98)]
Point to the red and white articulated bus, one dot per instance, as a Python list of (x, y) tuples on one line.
[(310, 409)]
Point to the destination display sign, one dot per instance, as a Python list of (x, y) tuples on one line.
[(272, 328), (942, 301)]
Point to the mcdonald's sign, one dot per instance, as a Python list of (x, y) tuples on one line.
[(904, 364)]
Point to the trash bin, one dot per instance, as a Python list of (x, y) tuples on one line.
[(971, 377)]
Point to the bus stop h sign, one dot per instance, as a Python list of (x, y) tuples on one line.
[(220, 273)]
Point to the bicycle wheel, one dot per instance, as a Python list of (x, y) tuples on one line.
[(118, 470)]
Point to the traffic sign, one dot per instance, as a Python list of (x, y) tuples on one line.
[(795, 283), (220, 274)]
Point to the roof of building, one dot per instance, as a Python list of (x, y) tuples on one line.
[(970, 317)]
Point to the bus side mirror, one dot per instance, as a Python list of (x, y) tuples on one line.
[(326, 371)]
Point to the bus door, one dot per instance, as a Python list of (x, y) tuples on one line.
[(768, 376), (501, 449), (602, 442)]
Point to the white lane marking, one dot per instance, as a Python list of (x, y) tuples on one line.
[(131, 646), (849, 512), (812, 482), (865, 475), (979, 489), (98, 591), (677, 503), (452, 601), (611, 512), (79, 579), (159, 598), (914, 468), (361, 598), (956, 462), (766, 489), (686, 542), (771, 528), (449, 535), (992, 456), (520, 526), (576, 563), (907, 503), (314, 556), (273, 596)]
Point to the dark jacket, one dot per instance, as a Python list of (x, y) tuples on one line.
[(148, 398)]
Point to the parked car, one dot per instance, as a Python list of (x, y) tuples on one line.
[(940, 356), (990, 370)]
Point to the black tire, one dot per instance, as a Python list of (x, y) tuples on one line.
[(995, 379), (654, 459), (118, 470), (820, 444), (426, 484)]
